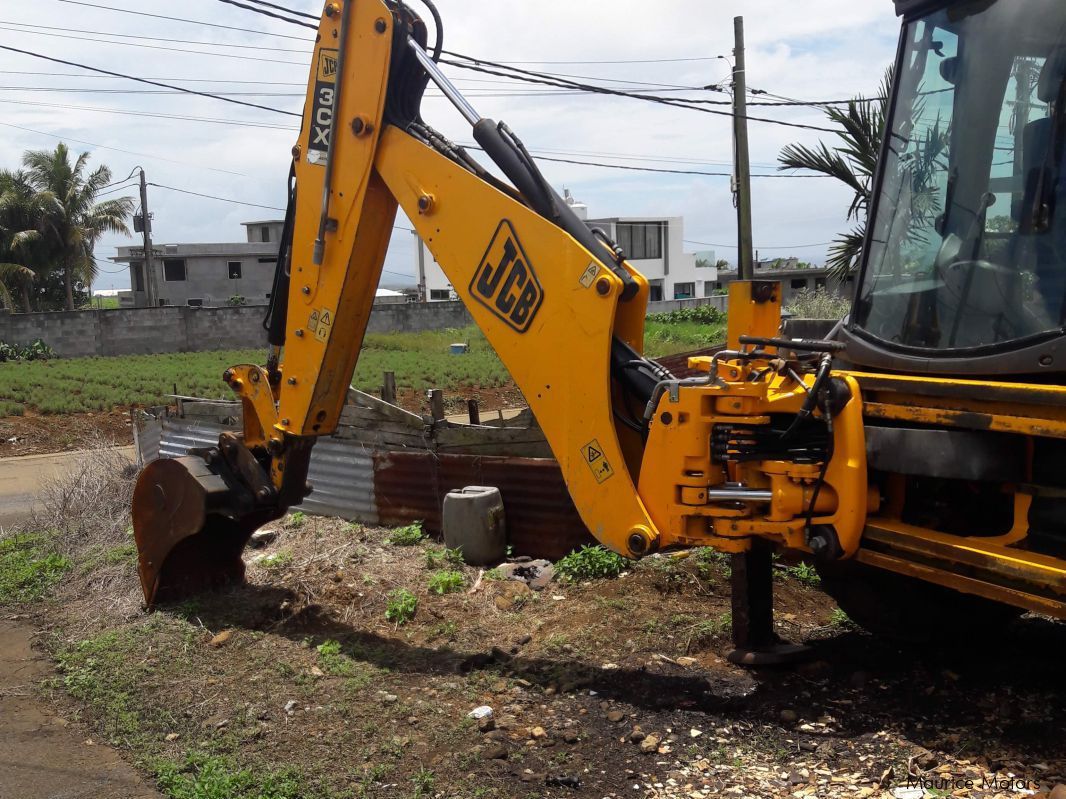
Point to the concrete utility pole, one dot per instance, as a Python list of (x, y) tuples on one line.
[(742, 161), (146, 230), (421, 268)]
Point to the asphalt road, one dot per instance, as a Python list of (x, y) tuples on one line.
[(21, 480)]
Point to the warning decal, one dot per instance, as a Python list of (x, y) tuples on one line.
[(325, 321), (592, 454), (589, 275), (312, 323), (321, 126)]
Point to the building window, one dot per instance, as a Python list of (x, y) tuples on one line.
[(173, 269), (798, 283), (195, 303), (440, 294), (265, 233), (268, 260), (641, 240), (655, 294), (137, 267), (684, 291), (163, 303), (234, 270)]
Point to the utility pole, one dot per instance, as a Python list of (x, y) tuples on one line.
[(742, 161), (146, 230), (421, 267)]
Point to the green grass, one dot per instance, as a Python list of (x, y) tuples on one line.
[(401, 606), (212, 777), (28, 568), (419, 360), (591, 563), (408, 536), (446, 582)]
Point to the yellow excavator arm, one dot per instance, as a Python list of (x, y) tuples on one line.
[(761, 445)]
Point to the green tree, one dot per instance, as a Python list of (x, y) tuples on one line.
[(19, 238), (853, 162), (72, 220)]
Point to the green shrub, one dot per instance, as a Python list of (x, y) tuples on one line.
[(446, 582), (27, 569), (276, 561), (297, 519), (407, 536), (401, 607), (703, 314), (805, 573), (37, 350), (591, 563), (435, 558), (818, 304), (212, 777)]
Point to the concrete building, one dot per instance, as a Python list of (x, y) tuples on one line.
[(793, 280), (209, 274), (653, 245)]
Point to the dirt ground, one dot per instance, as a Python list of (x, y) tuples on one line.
[(35, 435), (611, 688)]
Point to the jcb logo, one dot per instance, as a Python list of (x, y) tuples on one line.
[(505, 282), (329, 67)]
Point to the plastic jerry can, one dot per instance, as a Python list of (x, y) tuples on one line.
[(473, 522)]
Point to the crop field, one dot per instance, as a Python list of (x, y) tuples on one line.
[(420, 361)]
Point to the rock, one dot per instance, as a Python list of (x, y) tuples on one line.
[(570, 736), (510, 594), (525, 639), (610, 667), (389, 699), (317, 672), (480, 712), (694, 733), (486, 724), (1058, 792), (816, 670), (172, 736), (538, 733), (536, 574), (494, 751), (789, 716), (221, 638), (686, 662), (650, 744), (262, 538), (290, 706), (798, 778), (615, 716), (926, 760), (637, 735)]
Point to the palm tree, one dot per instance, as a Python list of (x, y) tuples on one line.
[(73, 221), (853, 162), (19, 238)]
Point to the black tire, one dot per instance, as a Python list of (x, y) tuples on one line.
[(909, 610)]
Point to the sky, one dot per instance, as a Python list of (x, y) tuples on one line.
[(814, 50)]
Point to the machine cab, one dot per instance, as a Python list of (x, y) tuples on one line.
[(964, 270)]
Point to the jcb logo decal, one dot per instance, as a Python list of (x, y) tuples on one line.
[(322, 107), (505, 282)]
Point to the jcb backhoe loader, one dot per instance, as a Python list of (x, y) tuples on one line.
[(917, 457)]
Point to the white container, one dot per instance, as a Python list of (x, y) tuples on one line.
[(473, 522)]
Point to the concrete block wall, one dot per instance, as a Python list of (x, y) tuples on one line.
[(146, 331)]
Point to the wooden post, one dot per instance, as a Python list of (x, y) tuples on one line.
[(388, 388), (436, 404), (472, 409)]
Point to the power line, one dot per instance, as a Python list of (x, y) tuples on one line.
[(760, 247), (227, 45), (266, 13), (120, 150), (292, 11), (151, 115), (155, 47), (190, 21), (213, 197), (533, 77), (187, 80), (149, 82)]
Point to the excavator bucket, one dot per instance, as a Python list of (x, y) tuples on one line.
[(191, 521)]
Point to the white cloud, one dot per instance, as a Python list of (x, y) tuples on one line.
[(820, 49)]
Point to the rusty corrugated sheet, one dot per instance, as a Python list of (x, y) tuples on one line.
[(541, 518)]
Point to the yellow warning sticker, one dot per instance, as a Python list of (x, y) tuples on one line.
[(312, 323), (325, 321), (592, 454), (589, 275)]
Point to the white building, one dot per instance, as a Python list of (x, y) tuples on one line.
[(653, 245)]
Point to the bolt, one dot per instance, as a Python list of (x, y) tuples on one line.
[(299, 332), (425, 202), (666, 418), (292, 381), (284, 422), (357, 125), (227, 376), (255, 377), (380, 26), (274, 446), (332, 9), (603, 287), (297, 151), (818, 544), (1046, 360), (264, 494), (306, 289)]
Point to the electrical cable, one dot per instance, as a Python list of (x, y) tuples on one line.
[(153, 115), (181, 19), (292, 11), (227, 45), (149, 82), (266, 13), (213, 197), (120, 150)]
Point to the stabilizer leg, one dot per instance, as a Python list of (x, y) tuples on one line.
[(754, 640)]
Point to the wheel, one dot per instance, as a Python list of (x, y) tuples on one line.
[(909, 610)]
